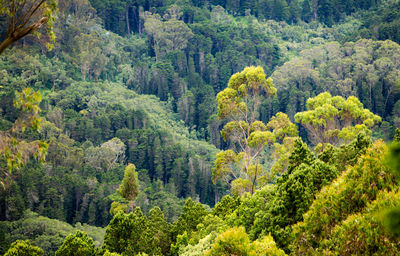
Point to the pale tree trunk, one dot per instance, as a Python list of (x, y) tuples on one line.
[(315, 9), (128, 27)]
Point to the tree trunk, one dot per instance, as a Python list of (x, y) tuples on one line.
[(128, 27), (315, 9), (19, 33), (5, 44), (215, 194)]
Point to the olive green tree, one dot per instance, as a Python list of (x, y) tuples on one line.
[(77, 244), (129, 187)]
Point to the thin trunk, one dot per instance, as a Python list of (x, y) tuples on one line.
[(315, 9), (386, 101), (215, 194), (253, 185), (127, 20)]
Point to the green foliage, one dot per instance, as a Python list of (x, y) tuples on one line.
[(43, 232), (160, 232), (107, 253), (349, 194), (240, 102), (301, 154), (191, 216), (125, 231), (226, 206), (118, 207), (77, 244), (396, 137), (246, 213), (23, 248), (362, 68), (363, 233), (199, 248), (235, 241), (334, 119), (347, 154), (129, 188), (15, 150), (135, 233), (294, 195), (97, 115)]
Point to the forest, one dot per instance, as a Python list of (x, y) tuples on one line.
[(188, 127)]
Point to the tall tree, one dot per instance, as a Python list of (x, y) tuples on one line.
[(239, 104), (129, 188)]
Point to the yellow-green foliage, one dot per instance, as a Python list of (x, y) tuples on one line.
[(347, 195), (199, 248), (251, 82), (107, 253), (23, 248), (129, 188), (235, 241), (266, 246), (363, 233), (335, 119), (246, 213), (239, 103)]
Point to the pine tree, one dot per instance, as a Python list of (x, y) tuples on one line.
[(77, 244), (129, 188)]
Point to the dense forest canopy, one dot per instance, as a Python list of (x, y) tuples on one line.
[(159, 127)]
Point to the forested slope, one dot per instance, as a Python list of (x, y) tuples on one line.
[(163, 85)]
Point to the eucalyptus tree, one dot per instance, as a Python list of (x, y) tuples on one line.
[(334, 119), (239, 104)]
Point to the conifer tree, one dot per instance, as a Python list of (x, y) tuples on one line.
[(78, 244), (129, 188)]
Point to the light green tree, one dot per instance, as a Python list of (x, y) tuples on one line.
[(23, 248), (334, 119), (235, 241), (239, 104)]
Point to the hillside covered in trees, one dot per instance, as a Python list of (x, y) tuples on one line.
[(158, 127)]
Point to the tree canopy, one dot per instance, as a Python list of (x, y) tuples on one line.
[(335, 119)]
